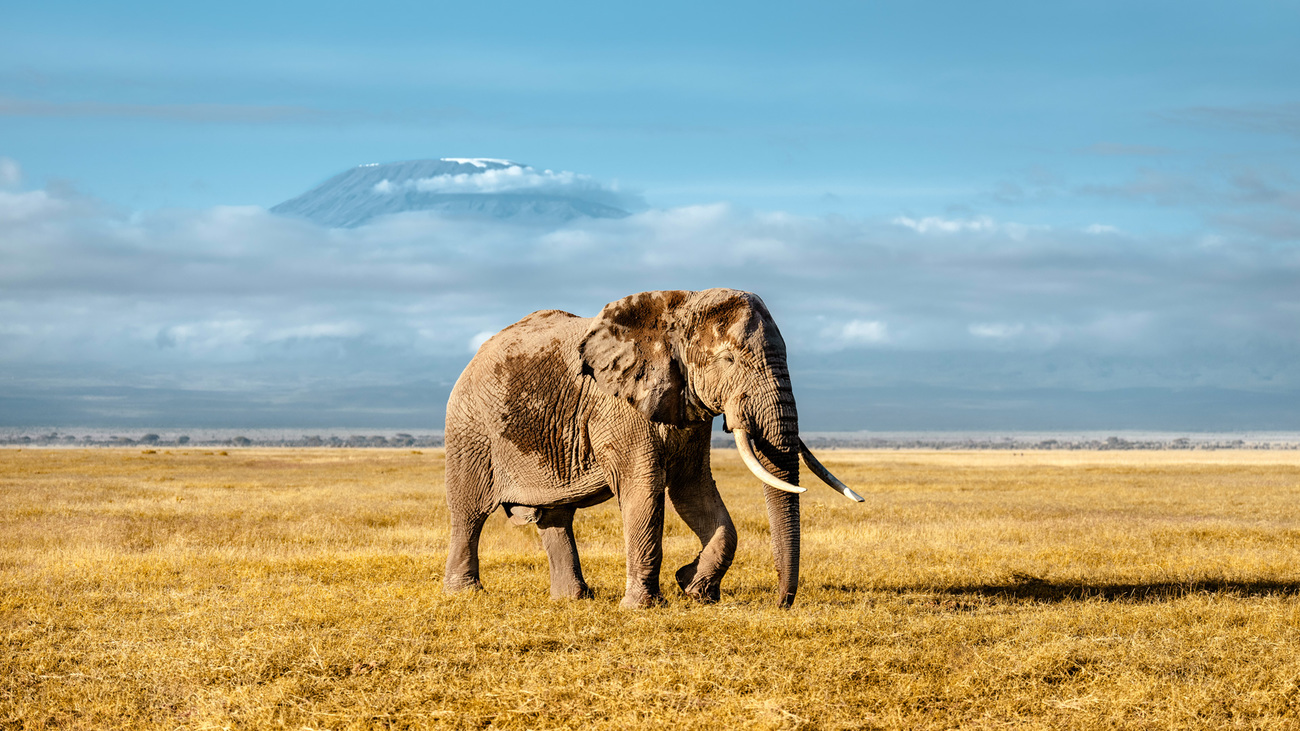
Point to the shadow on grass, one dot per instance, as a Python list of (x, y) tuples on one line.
[(1033, 589), (1029, 588)]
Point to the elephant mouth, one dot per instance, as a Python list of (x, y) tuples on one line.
[(746, 448)]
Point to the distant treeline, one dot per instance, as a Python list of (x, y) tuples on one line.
[(400, 439)]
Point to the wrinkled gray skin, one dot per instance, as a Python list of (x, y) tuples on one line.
[(559, 412)]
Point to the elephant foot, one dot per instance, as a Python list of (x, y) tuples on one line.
[(641, 600), (704, 593), (457, 586), (700, 589), (579, 591)]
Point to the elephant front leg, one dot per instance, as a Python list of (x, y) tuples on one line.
[(555, 525), (643, 535), (701, 507)]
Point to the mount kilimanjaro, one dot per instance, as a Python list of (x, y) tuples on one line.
[(458, 187)]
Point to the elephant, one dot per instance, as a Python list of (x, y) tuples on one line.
[(558, 412)]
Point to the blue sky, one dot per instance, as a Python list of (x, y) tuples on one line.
[(1005, 200)]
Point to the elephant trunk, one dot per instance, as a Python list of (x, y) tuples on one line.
[(783, 507), (773, 426), (783, 514)]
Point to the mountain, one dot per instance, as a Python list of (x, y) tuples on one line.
[(461, 187)]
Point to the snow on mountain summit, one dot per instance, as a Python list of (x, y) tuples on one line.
[(478, 187), (481, 162)]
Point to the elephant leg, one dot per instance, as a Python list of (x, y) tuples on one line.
[(643, 536), (555, 525), (701, 507), (462, 553), (469, 503)]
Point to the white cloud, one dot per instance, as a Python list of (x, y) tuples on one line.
[(1100, 229), (477, 341), (221, 340), (11, 174), (978, 224), (515, 178), (865, 331), (1028, 337), (315, 331), (857, 333), (32, 205), (996, 330), (934, 224)]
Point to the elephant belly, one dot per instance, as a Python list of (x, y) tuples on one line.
[(543, 488)]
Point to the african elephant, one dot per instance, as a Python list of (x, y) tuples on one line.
[(559, 412)]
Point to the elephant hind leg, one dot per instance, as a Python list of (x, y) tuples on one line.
[(555, 525), (462, 554), (470, 501)]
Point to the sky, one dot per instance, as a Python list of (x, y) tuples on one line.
[(997, 216)]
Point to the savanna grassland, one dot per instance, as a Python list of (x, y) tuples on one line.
[(301, 588)]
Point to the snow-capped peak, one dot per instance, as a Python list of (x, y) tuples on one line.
[(480, 162), (455, 186)]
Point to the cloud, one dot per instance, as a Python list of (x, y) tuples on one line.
[(1019, 336), (1116, 149), (11, 174), (495, 180), (16, 208), (206, 113), (1153, 186), (477, 341), (317, 331), (1260, 201), (934, 224), (976, 225), (859, 332), (996, 330), (234, 297), (218, 339), (1282, 119)]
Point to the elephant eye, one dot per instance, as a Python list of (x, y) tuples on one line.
[(726, 358)]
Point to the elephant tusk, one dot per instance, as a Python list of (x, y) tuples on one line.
[(751, 461), (825, 474)]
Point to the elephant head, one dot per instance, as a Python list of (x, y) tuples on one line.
[(682, 358)]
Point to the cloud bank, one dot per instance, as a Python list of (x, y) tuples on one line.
[(235, 299)]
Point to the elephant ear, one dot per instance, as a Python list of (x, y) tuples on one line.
[(630, 352)]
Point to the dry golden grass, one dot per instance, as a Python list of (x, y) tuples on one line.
[(301, 588)]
